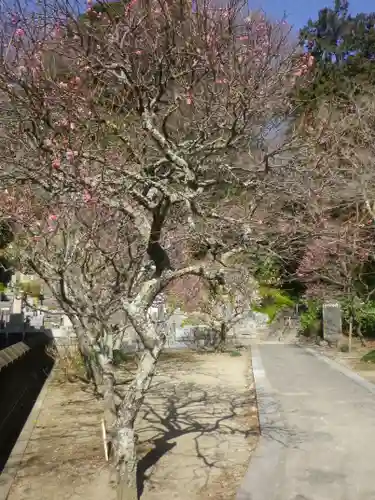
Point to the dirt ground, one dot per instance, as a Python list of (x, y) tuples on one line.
[(352, 359), (197, 430)]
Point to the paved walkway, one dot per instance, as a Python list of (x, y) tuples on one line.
[(326, 431)]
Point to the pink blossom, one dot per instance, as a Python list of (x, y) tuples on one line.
[(243, 38), (129, 6), (56, 164), (138, 52), (75, 80), (70, 155), (56, 30), (63, 85), (52, 217), (310, 60), (189, 98), (35, 71), (19, 32), (87, 197), (63, 123)]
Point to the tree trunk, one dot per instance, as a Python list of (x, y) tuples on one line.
[(124, 456), (93, 371), (126, 464), (88, 351), (350, 333), (107, 392), (220, 346), (360, 335)]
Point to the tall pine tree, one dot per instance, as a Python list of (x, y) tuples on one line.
[(343, 47)]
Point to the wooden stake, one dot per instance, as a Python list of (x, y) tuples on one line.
[(104, 436), (350, 333)]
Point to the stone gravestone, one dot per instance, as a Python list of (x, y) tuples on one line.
[(332, 322)]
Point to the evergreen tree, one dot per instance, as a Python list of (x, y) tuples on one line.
[(343, 47)]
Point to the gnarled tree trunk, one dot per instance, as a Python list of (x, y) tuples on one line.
[(222, 337), (93, 371), (124, 454)]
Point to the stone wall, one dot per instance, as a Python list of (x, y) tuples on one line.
[(20, 384)]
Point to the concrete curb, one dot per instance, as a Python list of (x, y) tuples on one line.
[(15, 459), (343, 369), (261, 481)]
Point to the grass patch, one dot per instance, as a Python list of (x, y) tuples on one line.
[(369, 357), (235, 354)]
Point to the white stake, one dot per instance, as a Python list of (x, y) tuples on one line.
[(104, 436)]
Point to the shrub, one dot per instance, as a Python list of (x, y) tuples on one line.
[(369, 357), (31, 288), (365, 317), (70, 362), (310, 320), (235, 354), (273, 300)]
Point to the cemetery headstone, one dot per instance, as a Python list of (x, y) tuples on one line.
[(17, 306), (332, 322)]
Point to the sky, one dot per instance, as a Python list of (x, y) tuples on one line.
[(299, 11)]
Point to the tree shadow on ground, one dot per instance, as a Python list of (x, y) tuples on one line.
[(174, 410)]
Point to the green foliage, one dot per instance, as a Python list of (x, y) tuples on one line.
[(267, 271), (310, 319), (273, 300), (173, 302), (191, 321), (343, 47), (335, 34), (6, 234), (235, 354), (112, 9), (369, 357), (363, 314), (31, 288), (338, 82)]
